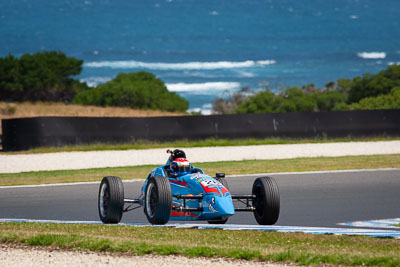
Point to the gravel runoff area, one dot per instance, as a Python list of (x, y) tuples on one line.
[(30, 256), (99, 159)]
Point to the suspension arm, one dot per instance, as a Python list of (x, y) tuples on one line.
[(185, 209), (243, 197), (133, 201), (200, 196), (247, 200), (245, 209)]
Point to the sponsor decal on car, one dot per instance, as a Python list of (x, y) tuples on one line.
[(209, 184), (199, 177), (178, 182), (211, 207)]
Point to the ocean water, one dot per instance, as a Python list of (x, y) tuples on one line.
[(203, 49)]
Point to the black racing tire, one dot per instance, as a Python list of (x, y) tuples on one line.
[(111, 199), (158, 200), (267, 200)]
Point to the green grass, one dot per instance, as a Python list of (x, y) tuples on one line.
[(142, 144), (229, 167), (299, 248), (397, 225)]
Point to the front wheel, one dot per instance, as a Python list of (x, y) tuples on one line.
[(266, 201), (158, 200), (111, 199)]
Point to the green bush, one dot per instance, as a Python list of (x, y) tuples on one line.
[(371, 85), (293, 99), (299, 99), (141, 90), (372, 91), (329, 100), (44, 76), (259, 103), (389, 101)]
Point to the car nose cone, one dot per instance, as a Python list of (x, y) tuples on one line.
[(224, 206)]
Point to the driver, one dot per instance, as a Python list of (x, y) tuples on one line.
[(178, 164)]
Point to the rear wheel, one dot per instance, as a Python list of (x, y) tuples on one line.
[(111, 199), (158, 200), (266, 201)]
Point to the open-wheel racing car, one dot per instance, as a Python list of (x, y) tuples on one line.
[(180, 192)]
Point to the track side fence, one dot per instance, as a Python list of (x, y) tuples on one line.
[(26, 133)]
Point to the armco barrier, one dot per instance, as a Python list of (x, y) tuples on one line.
[(25, 133)]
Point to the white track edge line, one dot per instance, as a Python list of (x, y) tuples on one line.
[(318, 172), (304, 229), (251, 175)]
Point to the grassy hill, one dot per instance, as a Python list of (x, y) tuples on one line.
[(41, 109)]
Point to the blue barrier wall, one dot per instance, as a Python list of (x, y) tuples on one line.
[(25, 133)]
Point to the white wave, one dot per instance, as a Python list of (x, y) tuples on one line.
[(246, 74), (190, 87), (132, 64), (206, 109), (372, 55), (266, 62), (198, 74), (94, 81), (208, 105)]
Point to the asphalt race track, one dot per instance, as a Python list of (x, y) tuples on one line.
[(307, 199)]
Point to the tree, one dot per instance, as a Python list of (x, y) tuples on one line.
[(292, 99), (229, 104), (141, 90), (371, 85), (389, 101), (330, 86), (329, 100), (44, 76), (367, 92), (344, 86), (259, 103)]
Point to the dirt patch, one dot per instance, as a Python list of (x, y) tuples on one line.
[(34, 256)]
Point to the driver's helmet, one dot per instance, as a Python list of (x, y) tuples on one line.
[(177, 153), (180, 166)]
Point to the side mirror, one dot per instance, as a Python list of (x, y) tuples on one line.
[(220, 175)]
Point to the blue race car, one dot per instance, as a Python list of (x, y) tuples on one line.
[(180, 192)]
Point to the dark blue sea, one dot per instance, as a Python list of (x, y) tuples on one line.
[(203, 49)]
